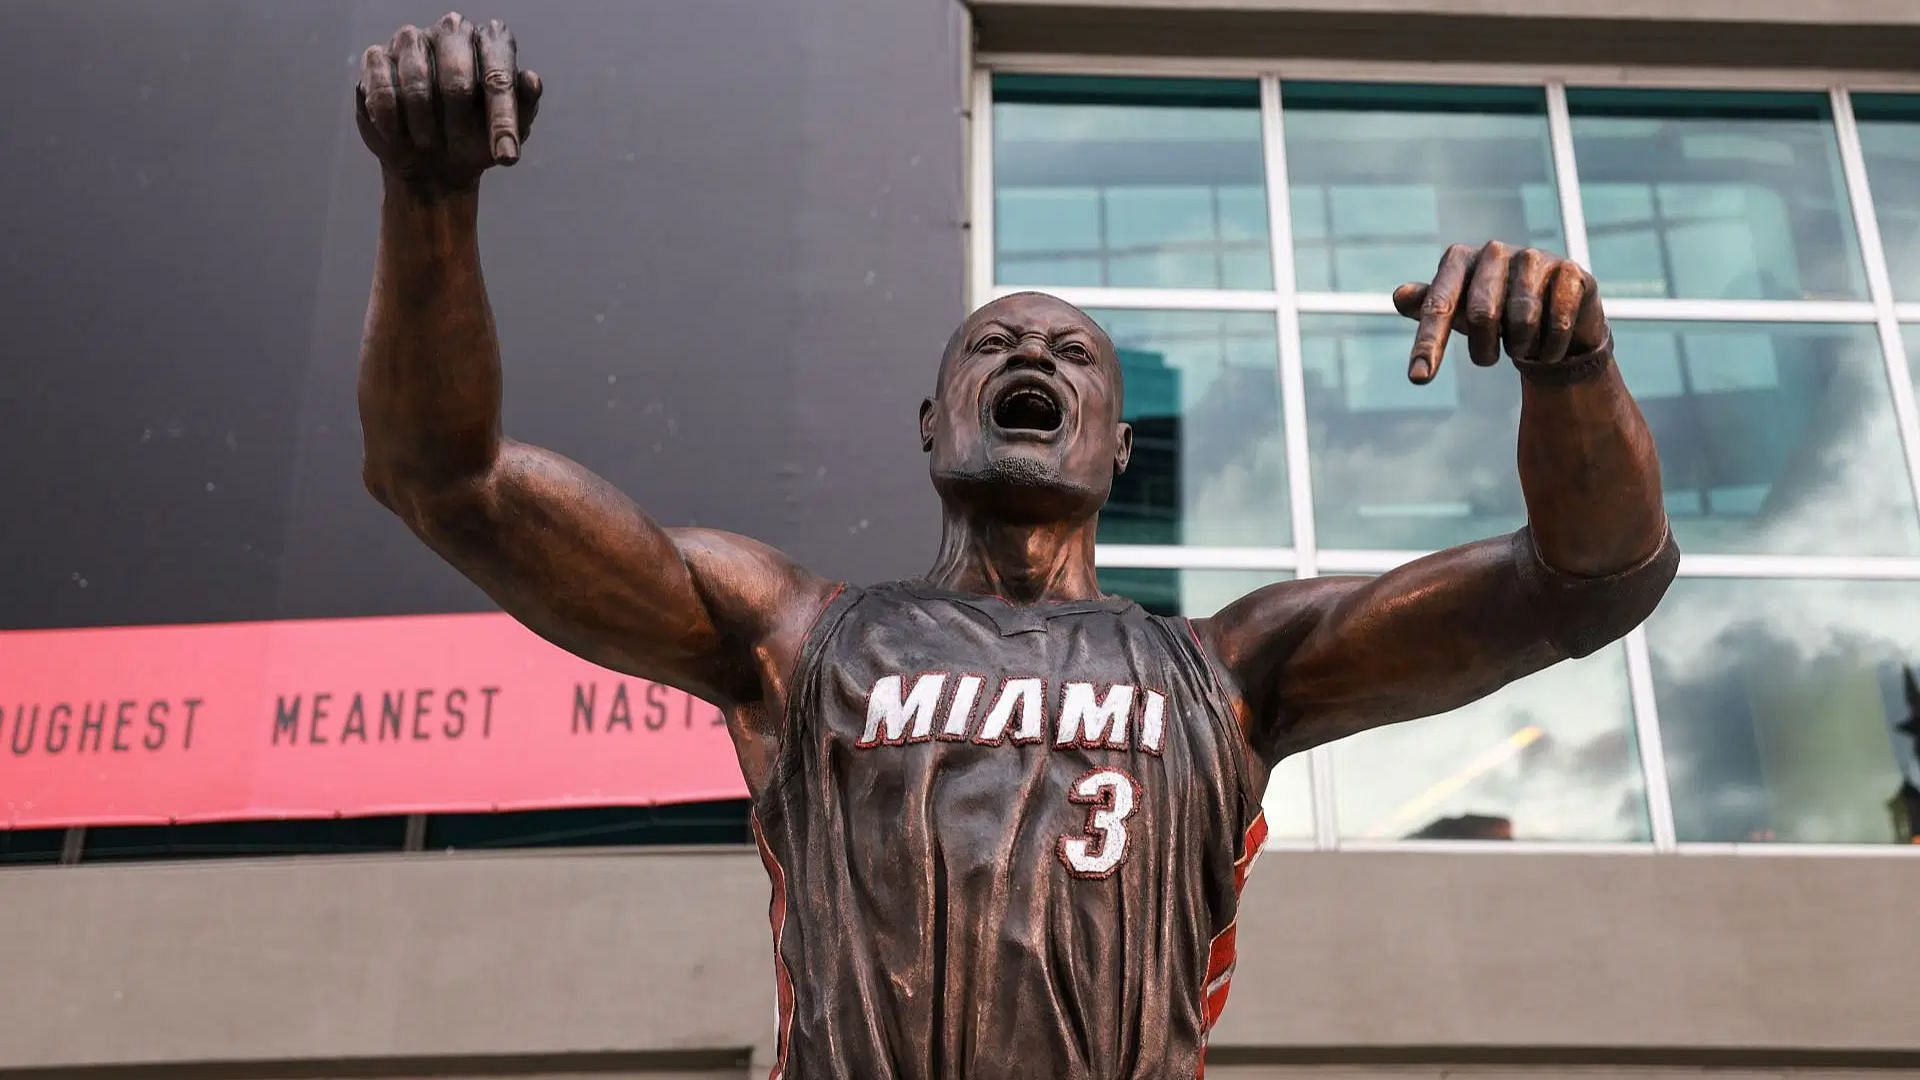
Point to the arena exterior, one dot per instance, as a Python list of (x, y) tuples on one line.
[(1693, 852)]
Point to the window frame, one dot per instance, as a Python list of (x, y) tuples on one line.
[(1304, 558)]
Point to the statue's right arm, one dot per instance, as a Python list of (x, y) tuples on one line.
[(718, 615)]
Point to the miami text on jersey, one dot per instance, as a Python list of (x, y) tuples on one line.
[(942, 705)]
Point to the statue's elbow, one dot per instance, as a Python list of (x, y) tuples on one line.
[(1580, 614), (429, 503), (1607, 609)]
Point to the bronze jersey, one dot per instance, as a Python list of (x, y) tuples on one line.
[(1005, 841)]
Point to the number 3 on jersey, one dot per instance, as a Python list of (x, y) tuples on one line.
[(1112, 796)]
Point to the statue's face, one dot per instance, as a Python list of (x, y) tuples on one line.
[(1025, 422)]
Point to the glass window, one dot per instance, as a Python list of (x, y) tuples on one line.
[(1911, 333), (723, 822), (1383, 177), (1209, 463), (1781, 705), (1774, 438), (1715, 195), (1890, 140), (234, 839), (1129, 182), (31, 846), (1197, 594), (1551, 757), (1402, 466)]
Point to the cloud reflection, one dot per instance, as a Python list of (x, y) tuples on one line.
[(1777, 703)]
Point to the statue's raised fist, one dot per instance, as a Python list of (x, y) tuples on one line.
[(438, 106)]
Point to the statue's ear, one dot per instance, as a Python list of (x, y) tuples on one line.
[(926, 425)]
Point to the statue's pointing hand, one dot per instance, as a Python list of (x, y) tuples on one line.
[(441, 105), (1544, 309)]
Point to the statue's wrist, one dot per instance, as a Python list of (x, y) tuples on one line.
[(429, 190), (1574, 368)]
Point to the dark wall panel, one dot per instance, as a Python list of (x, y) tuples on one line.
[(722, 274)]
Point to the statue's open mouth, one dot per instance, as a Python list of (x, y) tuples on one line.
[(1027, 406)]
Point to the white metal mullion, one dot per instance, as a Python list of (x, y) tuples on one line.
[(1293, 407), (1792, 849), (980, 198), (1907, 312), (1643, 308), (1836, 567), (1853, 164), (1293, 394), (1794, 311), (1183, 557), (1331, 303), (1499, 847), (1843, 567), (1566, 175), (1780, 849), (1646, 731), (1104, 296), (1402, 70), (1357, 561), (1364, 561)]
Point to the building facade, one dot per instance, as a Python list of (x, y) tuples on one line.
[(721, 275)]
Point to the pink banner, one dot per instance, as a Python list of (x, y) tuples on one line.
[(347, 717)]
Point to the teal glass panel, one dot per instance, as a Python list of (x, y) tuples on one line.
[(1143, 183), (1551, 757), (1197, 594), (1715, 195), (1780, 709), (1775, 438), (1911, 333), (1890, 140), (1402, 466), (1384, 176), (1209, 460)]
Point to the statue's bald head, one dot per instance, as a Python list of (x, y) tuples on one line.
[(1020, 305), (1025, 418)]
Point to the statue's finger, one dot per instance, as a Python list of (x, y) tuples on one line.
[(499, 74), (1526, 302), (1437, 310), (1486, 296), (456, 76), (1407, 298), (414, 68), (379, 95), (1565, 296), (530, 90)]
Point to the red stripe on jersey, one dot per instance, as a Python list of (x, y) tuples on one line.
[(782, 980), (1220, 952), (1255, 839)]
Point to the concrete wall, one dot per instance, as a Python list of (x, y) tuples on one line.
[(727, 209), (651, 962)]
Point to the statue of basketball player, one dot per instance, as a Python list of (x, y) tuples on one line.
[(1006, 816)]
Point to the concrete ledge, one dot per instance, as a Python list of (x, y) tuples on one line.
[(657, 962)]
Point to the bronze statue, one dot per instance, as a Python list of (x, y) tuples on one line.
[(1006, 816)]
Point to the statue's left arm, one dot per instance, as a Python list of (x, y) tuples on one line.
[(1315, 660)]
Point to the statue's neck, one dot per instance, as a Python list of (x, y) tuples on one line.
[(1026, 564)]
